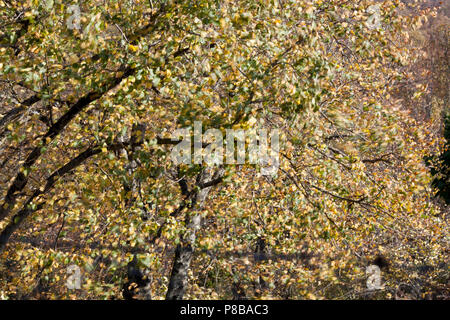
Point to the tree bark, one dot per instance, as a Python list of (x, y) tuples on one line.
[(185, 250)]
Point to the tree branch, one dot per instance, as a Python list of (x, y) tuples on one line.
[(21, 180)]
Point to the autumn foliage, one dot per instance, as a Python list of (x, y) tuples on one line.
[(86, 177)]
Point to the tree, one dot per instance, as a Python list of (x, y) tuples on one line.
[(85, 158)]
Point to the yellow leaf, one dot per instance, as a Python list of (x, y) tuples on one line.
[(133, 48)]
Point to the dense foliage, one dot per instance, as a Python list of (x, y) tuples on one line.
[(441, 170), (86, 175)]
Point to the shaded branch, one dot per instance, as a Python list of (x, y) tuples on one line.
[(21, 180), (28, 208)]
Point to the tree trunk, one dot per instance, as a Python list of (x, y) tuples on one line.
[(184, 251)]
